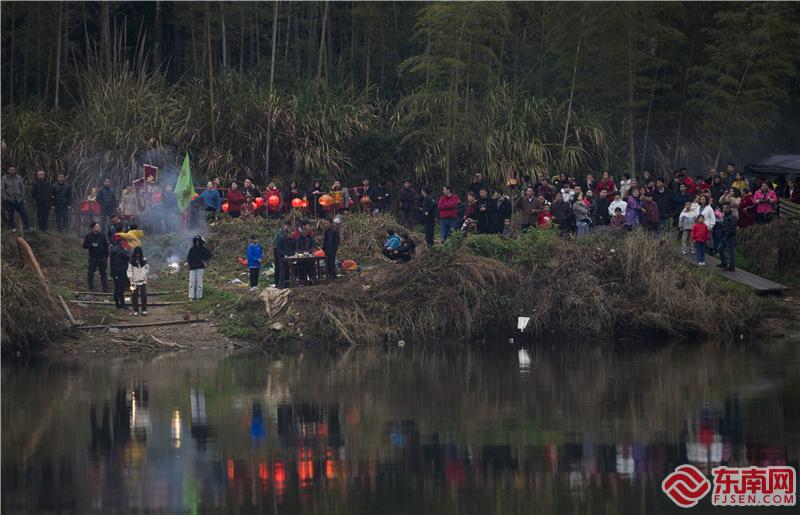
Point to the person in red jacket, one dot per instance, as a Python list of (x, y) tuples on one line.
[(545, 217), (235, 199), (448, 213), (606, 183), (747, 210), (700, 236)]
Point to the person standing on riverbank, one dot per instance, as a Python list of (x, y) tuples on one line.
[(138, 268), (62, 202), (120, 258), (196, 260), (97, 245), (407, 201), (448, 213), (428, 214), (700, 236), (14, 199), (107, 199), (330, 245), (727, 245), (282, 246), (254, 256), (42, 196)]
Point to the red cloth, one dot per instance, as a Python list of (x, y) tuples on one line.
[(545, 219), (235, 200), (608, 185), (690, 185), (747, 211), (448, 206), (700, 233)]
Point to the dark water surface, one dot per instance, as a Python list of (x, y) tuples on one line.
[(406, 431)]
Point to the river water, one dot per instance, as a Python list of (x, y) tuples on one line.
[(480, 431)]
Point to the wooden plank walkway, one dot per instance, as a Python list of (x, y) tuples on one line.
[(758, 283)]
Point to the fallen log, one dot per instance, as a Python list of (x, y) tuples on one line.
[(149, 293), (150, 324), (28, 255), (105, 303)]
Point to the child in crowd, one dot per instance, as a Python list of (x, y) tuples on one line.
[(545, 217), (254, 258), (508, 230), (685, 223), (700, 235), (618, 220), (138, 268)]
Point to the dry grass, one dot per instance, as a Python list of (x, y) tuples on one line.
[(773, 249)]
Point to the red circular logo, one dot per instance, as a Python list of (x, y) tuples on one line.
[(686, 486)]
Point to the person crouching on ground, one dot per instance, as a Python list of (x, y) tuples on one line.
[(254, 257), (700, 236), (391, 244), (119, 271), (138, 268), (406, 249), (196, 261)]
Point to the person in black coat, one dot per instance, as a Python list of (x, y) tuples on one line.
[(119, 271), (282, 246), (502, 211), (97, 245), (42, 197), (407, 202), (330, 245), (663, 199), (485, 211), (427, 210), (62, 201), (107, 199)]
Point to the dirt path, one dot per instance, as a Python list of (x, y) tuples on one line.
[(167, 338)]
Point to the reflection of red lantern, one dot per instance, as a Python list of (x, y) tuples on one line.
[(325, 200), (297, 203), (259, 201), (274, 201), (225, 207)]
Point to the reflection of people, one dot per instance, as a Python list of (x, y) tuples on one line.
[(101, 435), (200, 429)]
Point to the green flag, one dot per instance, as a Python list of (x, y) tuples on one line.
[(184, 188)]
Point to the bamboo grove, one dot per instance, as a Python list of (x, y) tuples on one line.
[(396, 89)]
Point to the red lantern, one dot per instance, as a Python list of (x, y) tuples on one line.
[(274, 201), (325, 200), (297, 203), (319, 253), (224, 207), (304, 204), (254, 206), (259, 201)]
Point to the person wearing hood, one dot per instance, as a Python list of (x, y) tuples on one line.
[(138, 268), (330, 245), (119, 271), (196, 261), (391, 244)]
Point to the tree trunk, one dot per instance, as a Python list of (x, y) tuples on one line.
[(572, 82), (58, 51), (685, 91), (210, 74), (732, 110), (13, 56), (367, 49), (271, 79), (157, 36), (322, 40), (288, 31), (631, 141), (241, 40), (352, 47), (224, 39), (105, 31)]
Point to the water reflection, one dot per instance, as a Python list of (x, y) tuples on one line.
[(412, 432)]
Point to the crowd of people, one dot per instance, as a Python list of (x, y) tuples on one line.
[(703, 210)]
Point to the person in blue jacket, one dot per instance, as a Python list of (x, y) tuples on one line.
[(254, 255), (210, 200), (391, 244)]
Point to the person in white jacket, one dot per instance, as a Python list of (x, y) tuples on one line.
[(709, 218), (616, 203), (138, 268)]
